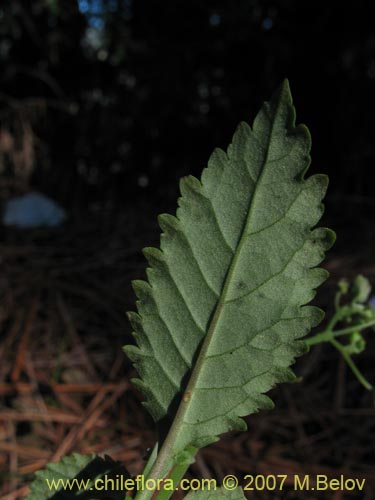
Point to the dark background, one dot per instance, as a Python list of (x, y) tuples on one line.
[(104, 105), (124, 97)]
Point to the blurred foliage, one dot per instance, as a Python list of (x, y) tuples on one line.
[(119, 98)]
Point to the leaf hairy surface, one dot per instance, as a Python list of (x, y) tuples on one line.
[(77, 470), (221, 317)]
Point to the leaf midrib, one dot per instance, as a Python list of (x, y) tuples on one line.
[(222, 300), (184, 405)]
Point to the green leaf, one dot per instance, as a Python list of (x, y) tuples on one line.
[(222, 315), (74, 478), (219, 494)]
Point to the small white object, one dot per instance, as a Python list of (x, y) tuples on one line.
[(32, 210)]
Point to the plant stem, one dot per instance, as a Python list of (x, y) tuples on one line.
[(165, 467), (176, 475), (351, 364), (328, 335), (355, 328)]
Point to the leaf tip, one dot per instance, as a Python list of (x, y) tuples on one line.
[(283, 93), (329, 237), (285, 87), (168, 223)]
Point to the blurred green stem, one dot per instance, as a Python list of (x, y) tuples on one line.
[(328, 335)]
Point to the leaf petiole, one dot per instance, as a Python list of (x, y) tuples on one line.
[(174, 474)]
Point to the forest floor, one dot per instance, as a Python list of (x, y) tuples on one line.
[(65, 381)]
